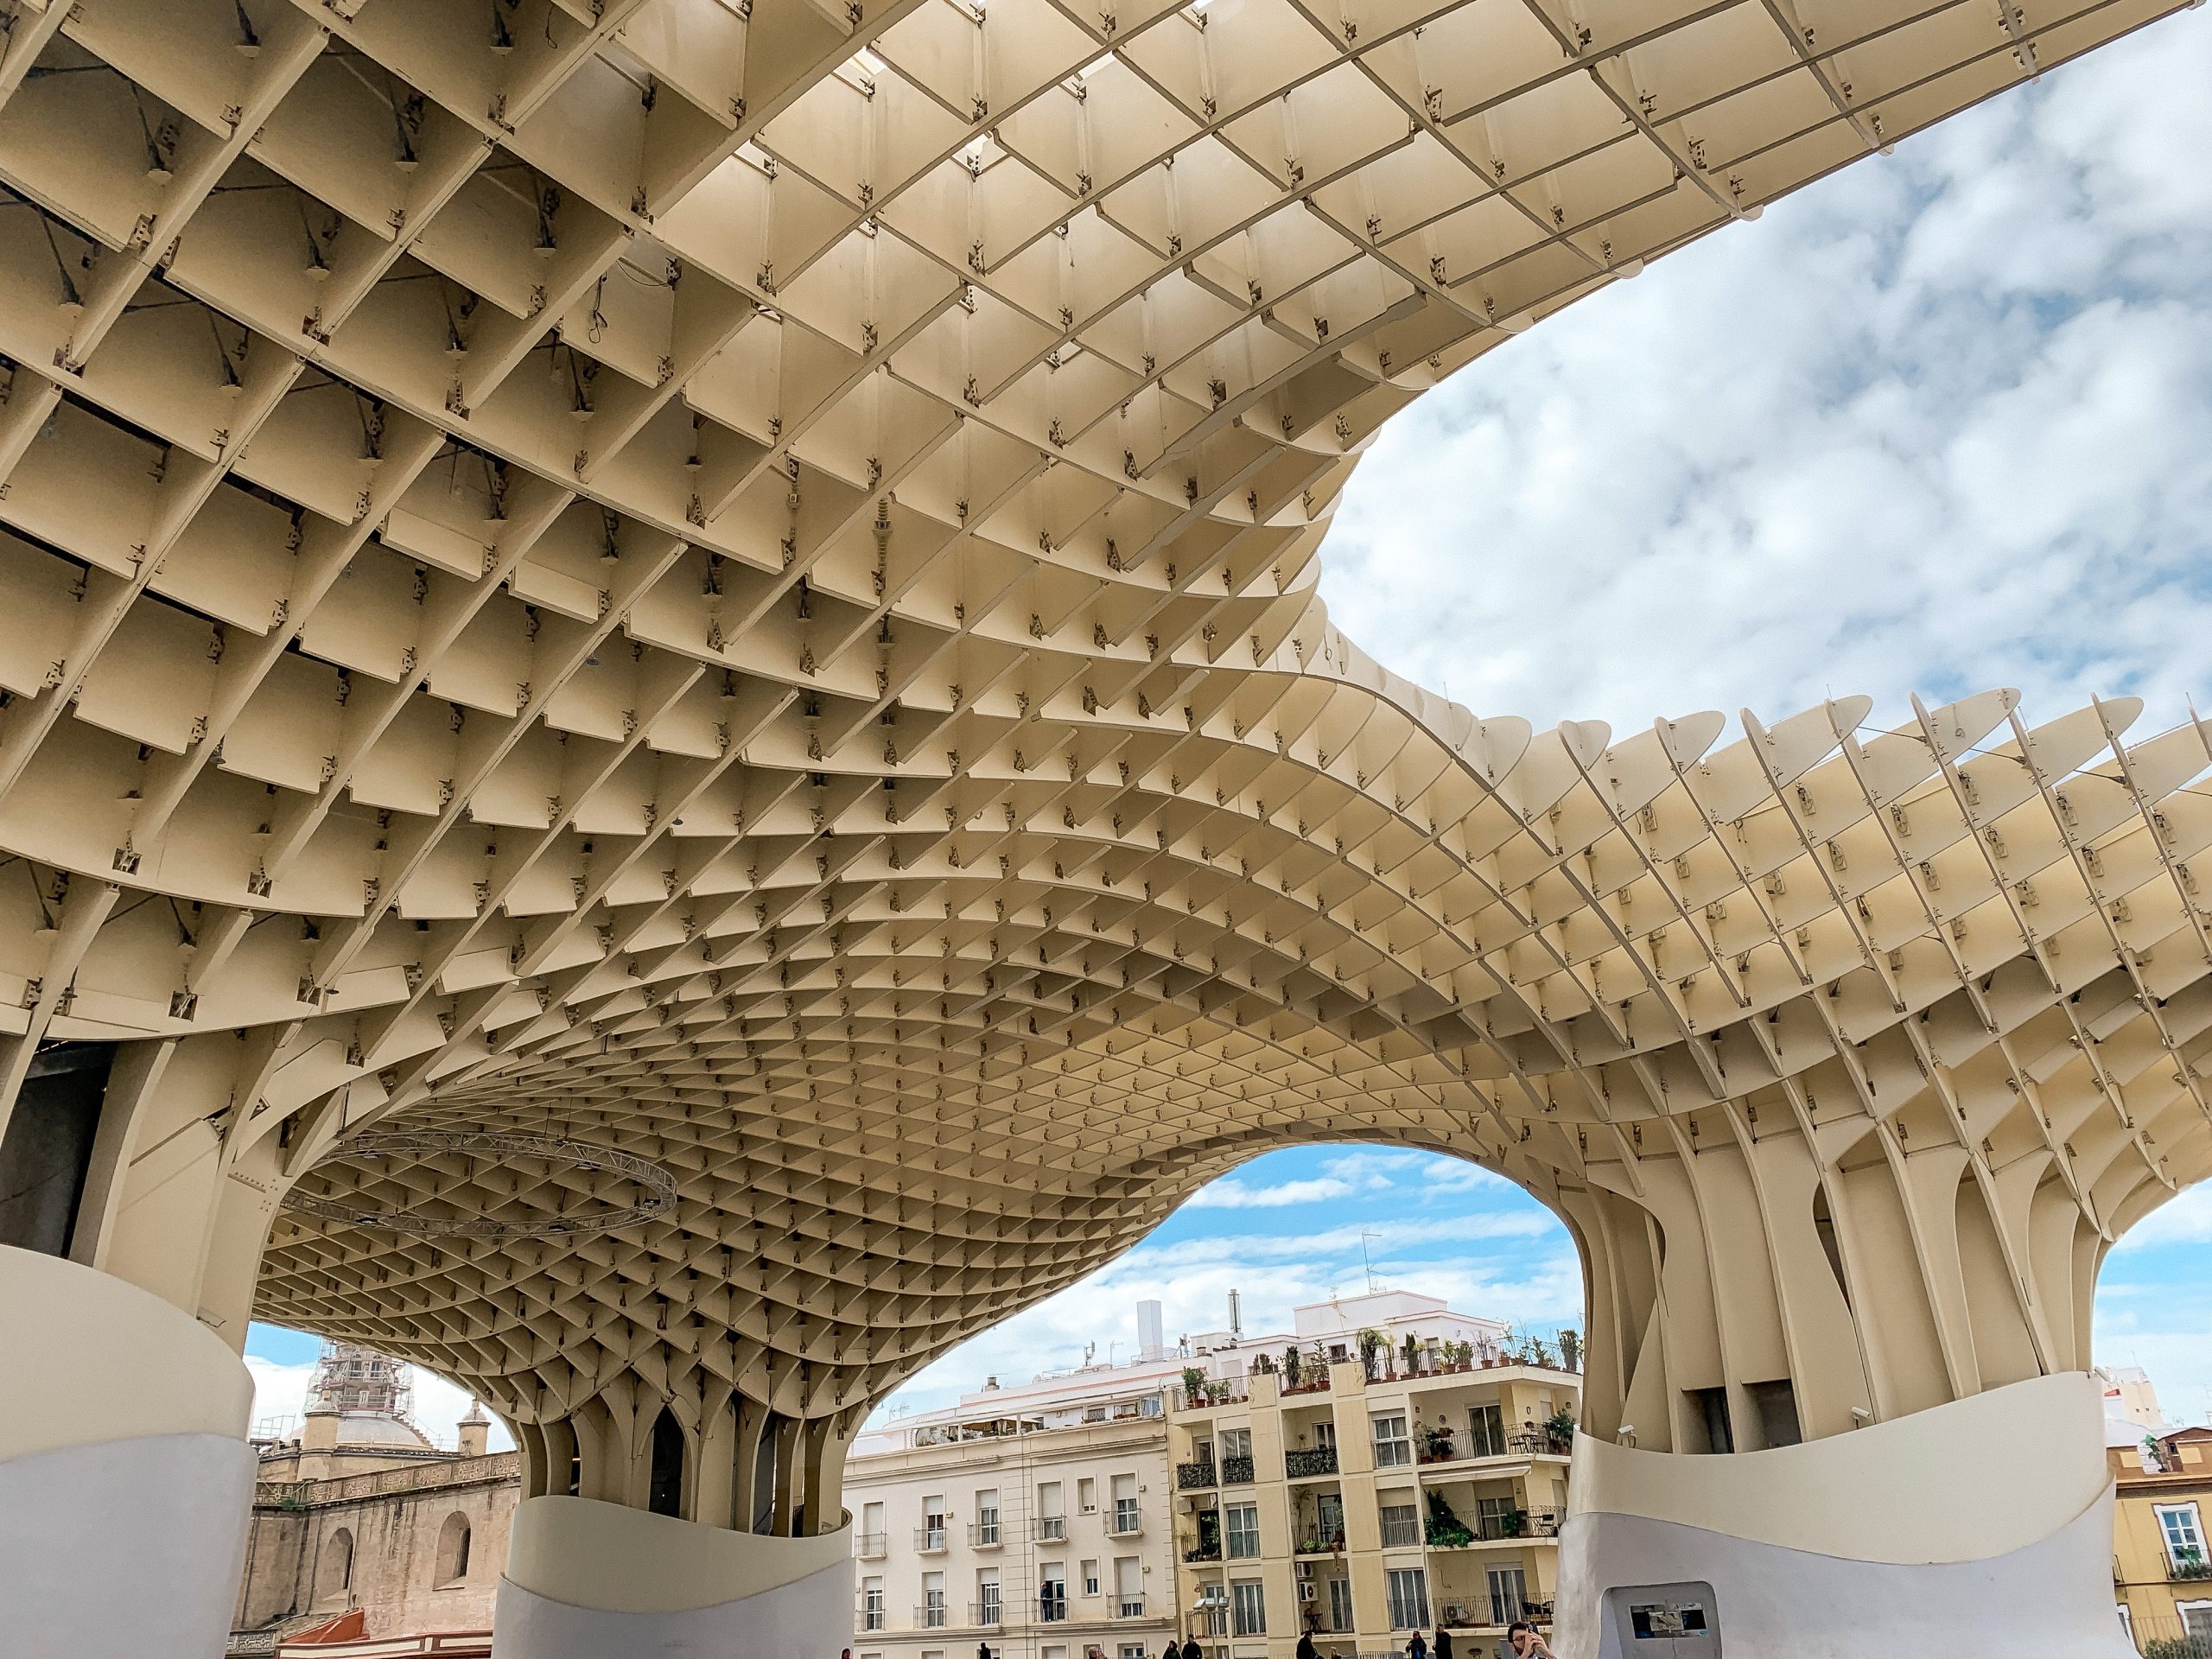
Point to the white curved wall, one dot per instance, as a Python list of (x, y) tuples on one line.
[(1980, 1530), (587, 1580), (125, 1480)]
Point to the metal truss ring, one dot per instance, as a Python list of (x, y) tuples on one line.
[(657, 1199)]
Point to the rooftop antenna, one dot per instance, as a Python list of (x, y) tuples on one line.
[(1365, 1261)]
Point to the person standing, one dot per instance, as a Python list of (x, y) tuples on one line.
[(1443, 1649), (1306, 1648), (1522, 1641), (1191, 1647), (982, 1651), (1418, 1648)]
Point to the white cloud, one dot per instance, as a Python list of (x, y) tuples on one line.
[(1939, 422), (1235, 1195), (2186, 1218)]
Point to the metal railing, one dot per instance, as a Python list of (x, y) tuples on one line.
[(930, 1616), (1236, 1471), (1051, 1528), (984, 1614), (1196, 1476), (1300, 1466), (871, 1546), (1052, 1610), (983, 1535), (930, 1541), (1124, 1524), (1129, 1606)]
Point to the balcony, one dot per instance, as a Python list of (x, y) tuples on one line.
[(930, 1616), (1503, 1525), (984, 1615), (984, 1535), (1125, 1524), (1052, 1610), (1304, 1465), (1199, 1554), (871, 1546), (1195, 1477), (1051, 1528), (1127, 1606), (930, 1541), (1236, 1471)]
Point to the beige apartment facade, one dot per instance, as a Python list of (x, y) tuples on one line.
[(1368, 1499)]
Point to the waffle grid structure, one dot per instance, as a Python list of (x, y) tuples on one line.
[(737, 581)]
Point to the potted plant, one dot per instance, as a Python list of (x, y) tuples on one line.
[(1558, 1431), (1370, 1345), (1539, 1352), (1513, 1523), (1411, 1349), (1570, 1349), (1292, 1366), (1444, 1530), (1435, 1443), (1194, 1387)]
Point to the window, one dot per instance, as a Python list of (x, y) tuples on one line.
[(1243, 1530), (2184, 1536), (1248, 1608), (869, 1543), (987, 1595), (986, 1529), (933, 1522), (1090, 1578), (1329, 1520), (1509, 1594), (1086, 1495), (871, 1604), (1490, 1515), (1408, 1588), (1125, 1504), (933, 1601), (1325, 1436), (2196, 1618), (1236, 1442), (453, 1550), (1485, 1431), (334, 1573), (1132, 1650), (1054, 1653), (1051, 1516), (1128, 1586), (1340, 1616), (1401, 1526), (1393, 1446), (1053, 1593)]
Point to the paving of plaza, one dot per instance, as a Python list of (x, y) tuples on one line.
[(667, 743)]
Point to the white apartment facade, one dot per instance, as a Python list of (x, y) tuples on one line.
[(1039, 1521), (1034, 1520)]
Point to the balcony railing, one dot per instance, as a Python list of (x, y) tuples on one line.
[(1236, 1471), (930, 1616), (1052, 1610), (1127, 1607), (870, 1619), (1195, 1477), (930, 1541), (1203, 1553), (1301, 1465), (983, 1535), (1124, 1524), (1497, 1525), (984, 1614), (871, 1546), (1051, 1528)]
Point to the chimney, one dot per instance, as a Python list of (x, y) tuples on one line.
[(475, 1429), (1152, 1341), (1236, 1315)]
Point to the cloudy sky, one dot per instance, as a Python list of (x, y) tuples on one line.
[(1942, 422)]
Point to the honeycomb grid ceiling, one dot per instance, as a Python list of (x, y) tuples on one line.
[(738, 582)]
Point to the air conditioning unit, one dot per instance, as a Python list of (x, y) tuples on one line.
[(1305, 1569), (1306, 1589)]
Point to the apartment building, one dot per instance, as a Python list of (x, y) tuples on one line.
[(1032, 1520), (1402, 1467)]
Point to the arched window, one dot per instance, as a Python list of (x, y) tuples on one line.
[(666, 1496), (453, 1549), (333, 1573)]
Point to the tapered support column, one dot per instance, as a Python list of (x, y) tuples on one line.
[(593, 1580), (125, 1480), (1980, 1527)]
